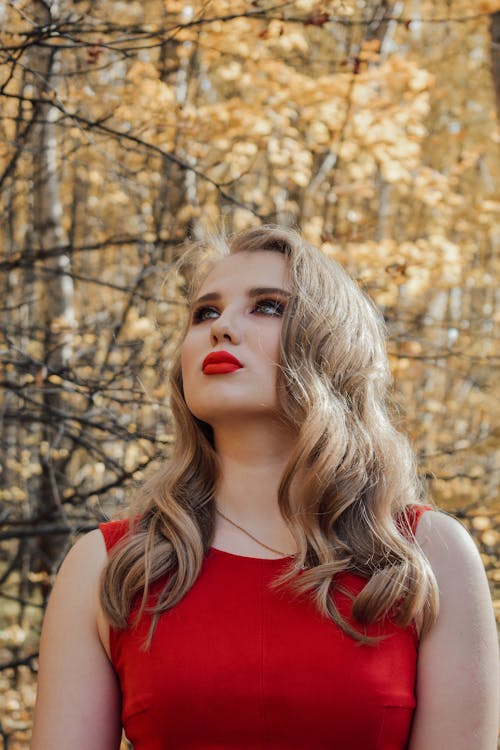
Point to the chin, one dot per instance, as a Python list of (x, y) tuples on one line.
[(227, 404), (234, 413)]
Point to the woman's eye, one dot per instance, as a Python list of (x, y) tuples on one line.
[(204, 313), (263, 307), (270, 306)]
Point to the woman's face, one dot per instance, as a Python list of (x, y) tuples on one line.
[(230, 353)]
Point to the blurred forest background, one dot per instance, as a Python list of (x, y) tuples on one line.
[(127, 127)]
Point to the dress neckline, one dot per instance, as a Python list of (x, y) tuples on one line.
[(251, 557)]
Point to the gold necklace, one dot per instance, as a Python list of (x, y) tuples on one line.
[(271, 549)]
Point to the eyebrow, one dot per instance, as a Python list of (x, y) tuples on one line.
[(256, 291)]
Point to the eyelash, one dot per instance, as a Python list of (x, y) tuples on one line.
[(278, 307)]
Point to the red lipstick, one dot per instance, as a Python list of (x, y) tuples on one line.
[(219, 363)]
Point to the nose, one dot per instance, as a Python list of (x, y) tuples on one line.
[(224, 328)]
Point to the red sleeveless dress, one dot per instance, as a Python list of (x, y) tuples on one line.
[(238, 666)]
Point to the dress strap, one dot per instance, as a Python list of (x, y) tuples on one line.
[(408, 519), (114, 531)]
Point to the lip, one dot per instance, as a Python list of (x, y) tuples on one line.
[(220, 362)]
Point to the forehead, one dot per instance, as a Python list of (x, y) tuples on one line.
[(241, 270)]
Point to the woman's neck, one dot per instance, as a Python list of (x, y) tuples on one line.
[(252, 462)]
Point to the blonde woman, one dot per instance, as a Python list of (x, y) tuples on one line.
[(281, 585)]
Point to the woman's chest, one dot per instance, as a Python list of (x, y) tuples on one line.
[(238, 665)]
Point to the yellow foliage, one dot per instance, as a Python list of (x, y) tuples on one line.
[(384, 151), (489, 6)]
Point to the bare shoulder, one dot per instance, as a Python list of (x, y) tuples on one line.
[(437, 525), (443, 538), (456, 563), (76, 678), (89, 548), (82, 566), (77, 583), (451, 711)]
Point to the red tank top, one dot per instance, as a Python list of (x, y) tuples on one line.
[(238, 666)]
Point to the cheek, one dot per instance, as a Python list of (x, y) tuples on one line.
[(187, 372), (270, 347), (187, 360)]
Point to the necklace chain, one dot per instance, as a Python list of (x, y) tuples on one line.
[(271, 549)]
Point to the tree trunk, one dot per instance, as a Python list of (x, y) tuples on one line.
[(54, 296), (495, 56)]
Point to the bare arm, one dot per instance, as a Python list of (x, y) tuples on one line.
[(457, 678), (78, 699)]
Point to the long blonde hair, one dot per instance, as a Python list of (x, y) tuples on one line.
[(357, 472)]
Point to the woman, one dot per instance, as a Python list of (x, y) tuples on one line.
[(280, 577)]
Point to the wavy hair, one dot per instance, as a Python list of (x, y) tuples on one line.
[(357, 472)]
